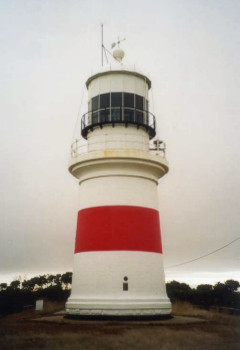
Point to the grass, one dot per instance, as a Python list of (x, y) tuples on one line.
[(222, 332), (187, 309)]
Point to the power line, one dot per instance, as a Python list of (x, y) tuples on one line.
[(204, 256)]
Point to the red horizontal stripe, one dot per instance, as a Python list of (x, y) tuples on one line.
[(118, 228)]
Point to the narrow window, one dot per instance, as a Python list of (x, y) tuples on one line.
[(125, 284)]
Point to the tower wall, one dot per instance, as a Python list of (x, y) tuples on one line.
[(118, 138)]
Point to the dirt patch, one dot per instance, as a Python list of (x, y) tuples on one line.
[(20, 331)]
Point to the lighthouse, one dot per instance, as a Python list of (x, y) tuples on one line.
[(118, 264)]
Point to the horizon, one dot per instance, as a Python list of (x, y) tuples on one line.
[(210, 279)]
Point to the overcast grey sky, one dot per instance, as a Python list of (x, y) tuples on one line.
[(191, 50)]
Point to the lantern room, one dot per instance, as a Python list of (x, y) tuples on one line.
[(118, 96)]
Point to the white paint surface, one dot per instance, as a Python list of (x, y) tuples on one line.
[(99, 277), (118, 138), (118, 190), (117, 82)]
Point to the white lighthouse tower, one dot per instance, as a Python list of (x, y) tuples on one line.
[(118, 267)]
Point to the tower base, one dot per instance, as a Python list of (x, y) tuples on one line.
[(130, 308), (98, 287)]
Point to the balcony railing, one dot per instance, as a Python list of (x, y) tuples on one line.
[(81, 146), (118, 115)]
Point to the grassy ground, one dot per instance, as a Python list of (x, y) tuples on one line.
[(222, 332)]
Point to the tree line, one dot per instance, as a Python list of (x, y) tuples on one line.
[(225, 294), (18, 295)]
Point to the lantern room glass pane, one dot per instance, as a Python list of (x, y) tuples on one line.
[(128, 100), (104, 115), (129, 114), (147, 115), (95, 103), (116, 114), (128, 107), (139, 109), (139, 102), (95, 107), (94, 117), (104, 100), (116, 99)]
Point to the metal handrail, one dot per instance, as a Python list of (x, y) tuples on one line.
[(116, 115)]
